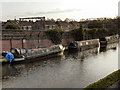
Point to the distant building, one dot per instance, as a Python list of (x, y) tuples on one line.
[(68, 25), (50, 25), (75, 24), (26, 25), (64, 25), (39, 23), (29, 24)]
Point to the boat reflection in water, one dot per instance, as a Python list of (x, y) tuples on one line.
[(82, 54), (23, 68), (108, 47), (16, 70)]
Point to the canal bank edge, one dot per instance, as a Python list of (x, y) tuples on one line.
[(106, 82)]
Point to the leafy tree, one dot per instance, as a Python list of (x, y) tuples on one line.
[(55, 35), (95, 24), (83, 34), (78, 34), (118, 22), (112, 26), (91, 33), (81, 26), (12, 26)]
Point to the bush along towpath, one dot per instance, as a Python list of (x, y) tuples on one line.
[(110, 81)]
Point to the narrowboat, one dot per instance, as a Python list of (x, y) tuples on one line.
[(108, 40), (23, 55), (84, 45), (56, 49), (88, 44)]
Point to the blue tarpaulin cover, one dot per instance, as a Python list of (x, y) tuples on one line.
[(29, 50), (9, 56)]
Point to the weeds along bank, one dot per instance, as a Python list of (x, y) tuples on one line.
[(106, 81)]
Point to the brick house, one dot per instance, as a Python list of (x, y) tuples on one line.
[(50, 25), (64, 25), (30, 24), (26, 25)]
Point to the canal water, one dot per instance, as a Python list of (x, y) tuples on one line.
[(72, 70)]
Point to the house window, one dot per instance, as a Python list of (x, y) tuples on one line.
[(68, 26), (29, 27), (50, 27), (24, 27), (53, 27), (86, 43)]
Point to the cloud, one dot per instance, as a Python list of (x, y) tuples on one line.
[(25, 14), (53, 12)]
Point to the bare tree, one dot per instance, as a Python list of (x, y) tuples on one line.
[(58, 19)]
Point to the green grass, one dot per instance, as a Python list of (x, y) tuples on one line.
[(106, 81)]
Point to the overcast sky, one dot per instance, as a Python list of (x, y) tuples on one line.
[(73, 9)]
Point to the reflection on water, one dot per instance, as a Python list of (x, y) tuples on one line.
[(108, 47), (72, 70)]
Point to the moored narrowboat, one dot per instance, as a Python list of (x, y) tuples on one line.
[(56, 49), (23, 55), (108, 40), (88, 44)]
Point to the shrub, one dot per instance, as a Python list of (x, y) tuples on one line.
[(12, 26), (55, 35)]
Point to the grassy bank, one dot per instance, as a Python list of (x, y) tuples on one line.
[(106, 81)]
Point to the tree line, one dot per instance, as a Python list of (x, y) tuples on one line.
[(97, 29)]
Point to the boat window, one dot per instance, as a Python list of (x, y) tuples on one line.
[(86, 43), (80, 44), (102, 39)]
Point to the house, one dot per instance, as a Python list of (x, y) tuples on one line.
[(75, 24), (26, 25), (50, 25), (30, 24), (64, 25)]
